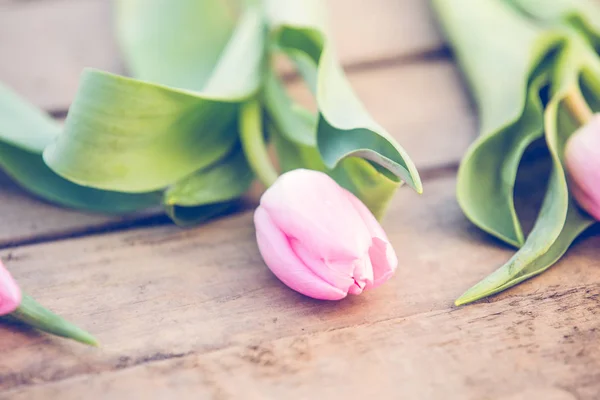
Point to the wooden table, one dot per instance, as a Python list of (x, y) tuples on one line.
[(195, 313)]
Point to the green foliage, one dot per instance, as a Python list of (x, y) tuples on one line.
[(511, 51)]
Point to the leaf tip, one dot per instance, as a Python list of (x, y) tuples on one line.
[(86, 338), (77, 334), (461, 301), (416, 183)]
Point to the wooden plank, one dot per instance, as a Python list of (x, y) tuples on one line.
[(536, 346), (165, 293), (368, 31), (423, 105), (46, 44), (26, 218), (49, 42)]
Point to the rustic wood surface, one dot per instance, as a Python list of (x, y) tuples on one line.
[(195, 314)]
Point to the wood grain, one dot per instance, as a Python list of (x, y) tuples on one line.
[(195, 313), (46, 44), (521, 348), (49, 42), (28, 219), (165, 293)]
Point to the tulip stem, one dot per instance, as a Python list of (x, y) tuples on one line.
[(578, 106), (253, 143)]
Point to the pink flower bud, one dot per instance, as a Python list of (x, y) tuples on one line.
[(583, 163), (10, 294), (319, 239)]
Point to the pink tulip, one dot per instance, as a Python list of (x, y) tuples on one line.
[(10, 294), (583, 163), (319, 239)]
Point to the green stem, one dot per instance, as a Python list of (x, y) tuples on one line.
[(253, 143), (578, 106), (32, 313)]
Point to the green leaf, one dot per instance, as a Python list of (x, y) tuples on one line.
[(24, 132), (344, 128), (487, 174), (175, 43), (499, 61), (580, 14), (135, 136), (560, 221), (209, 192), (293, 132), (131, 136), (32, 313), (355, 174), (297, 124), (23, 125), (31, 173)]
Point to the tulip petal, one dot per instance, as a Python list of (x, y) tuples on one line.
[(312, 208), (383, 257), (279, 256), (338, 274), (10, 294), (583, 163), (362, 275), (587, 202)]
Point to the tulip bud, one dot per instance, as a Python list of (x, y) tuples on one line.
[(582, 158), (319, 239), (10, 294)]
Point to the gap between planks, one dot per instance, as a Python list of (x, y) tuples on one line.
[(425, 56), (160, 219)]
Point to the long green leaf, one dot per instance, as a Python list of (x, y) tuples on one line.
[(498, 60), (560, 220), (24, 132), (345, 128), (175, 43), (341, 139), (580, 14), (294, 134), (135, 136)]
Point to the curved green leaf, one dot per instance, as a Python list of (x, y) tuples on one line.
[(23, 125), (560, 221), (24, 132), (175, 43), (294, 135), (296, 123), (210, 191), (487, 174), (345, 129), (498, 60), (131, 136), (135, 136), (580, 14)]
